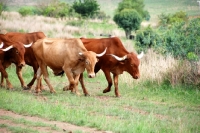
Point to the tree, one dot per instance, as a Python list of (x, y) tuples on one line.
[(86, 7), (130, 14), (138, 5), (129, 20), (3, 6)]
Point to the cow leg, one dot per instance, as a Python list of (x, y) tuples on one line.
[(82, 85), (2, 80), (35, 68), (4, 74), (70, 76), (19, 74), (46, 77), (109, 80), (115, 78), (76, 78), (38, 76)]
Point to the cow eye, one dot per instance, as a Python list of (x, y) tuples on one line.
[(17, 52), (86, 62)]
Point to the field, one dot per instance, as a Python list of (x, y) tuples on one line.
[(142, 108), (150, 104)]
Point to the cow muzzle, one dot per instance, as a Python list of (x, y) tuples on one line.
[(91, 75), (21, 64), (136, 77)]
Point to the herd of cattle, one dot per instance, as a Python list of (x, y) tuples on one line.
[(69, 56)]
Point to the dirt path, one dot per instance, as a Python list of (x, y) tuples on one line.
[(9, 118)]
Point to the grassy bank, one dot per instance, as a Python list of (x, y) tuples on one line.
[(142, 107)]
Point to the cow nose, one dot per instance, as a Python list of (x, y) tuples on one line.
[(136, 77), (22, 64), (91, 75)]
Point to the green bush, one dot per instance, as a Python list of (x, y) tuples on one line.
[(3, 7), (55, 9), (87, 8), (148, 38), (24, 11), (169, 19), (129, 20), (181, 39)]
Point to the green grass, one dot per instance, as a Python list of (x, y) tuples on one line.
[(144, 108)]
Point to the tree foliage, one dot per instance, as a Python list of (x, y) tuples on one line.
[(3, 6), (168, 19), (24, 11), (137, 5), (181, 39), (129, 20), (129, 15), (87, 8), (54, 9)]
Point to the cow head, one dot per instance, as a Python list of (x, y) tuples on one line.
[(90, 61), (15, 52), (130, 63)]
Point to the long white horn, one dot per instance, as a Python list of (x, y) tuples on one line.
[(140, 55), (1, 46), (8, 48), (118, 58), (99, 55), (28, 45)]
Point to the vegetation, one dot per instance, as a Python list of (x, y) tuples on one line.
[(176, 35), (3, 6), (165, 99), (141, 107), (129, 15), (87, 8)]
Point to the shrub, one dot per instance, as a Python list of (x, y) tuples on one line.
[(24, 11), (169, 19), (87, 8), (55, 9), (129, 20), (148, 38)]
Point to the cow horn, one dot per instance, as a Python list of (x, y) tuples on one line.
[(119, 58), (140, 55), (1, 46), (8, 48), (27, 45), (99, 55)]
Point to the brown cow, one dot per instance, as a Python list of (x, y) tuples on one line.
[(68, 55), (29, 58), (116, 61), (12, 52)]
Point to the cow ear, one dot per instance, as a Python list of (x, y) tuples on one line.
[(81, 57), (123, 62)]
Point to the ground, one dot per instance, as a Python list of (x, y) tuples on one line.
[(60, 126)]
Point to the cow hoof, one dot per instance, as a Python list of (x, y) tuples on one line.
[(66, 88), (87, 95), (37, 91), (2, 86), (26, 88), (105, 91), (53, 91)]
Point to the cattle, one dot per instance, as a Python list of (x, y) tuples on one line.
[(10, 52), (30, 59), (67, 56), (116, 60)]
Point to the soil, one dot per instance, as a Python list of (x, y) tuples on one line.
[(61, 127)]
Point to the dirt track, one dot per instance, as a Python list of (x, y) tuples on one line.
[(60, 126)]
